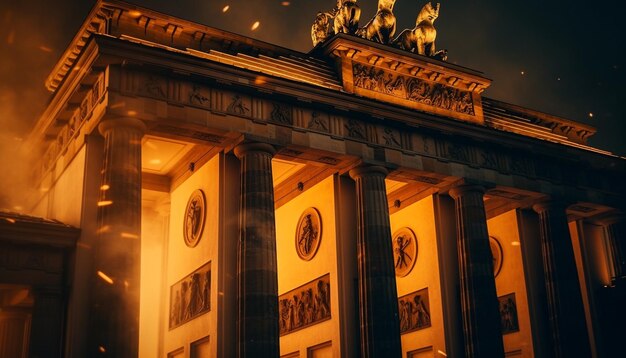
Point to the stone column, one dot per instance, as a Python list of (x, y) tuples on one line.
[(378, 298), (117, 251), (479, 301), (615, 234), (257, 273), (565, 307)]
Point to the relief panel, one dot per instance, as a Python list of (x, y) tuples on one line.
[(304, 306)]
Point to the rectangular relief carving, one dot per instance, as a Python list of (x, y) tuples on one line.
[(191, 296), (304, 306), (414, 310), (412, 89), (508, 313)]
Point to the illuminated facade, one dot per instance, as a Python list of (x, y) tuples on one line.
[(238, 198)]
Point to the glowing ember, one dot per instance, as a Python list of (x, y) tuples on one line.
[(12, 221), (105, 278), (225, 8), (105, 202), (285, 3), (105, 187), (101, 349), (259, 80), (128, 235), (255, 26)]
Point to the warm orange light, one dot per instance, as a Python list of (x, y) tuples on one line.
[(128, 235), (590, 115), (105, 202), (12, 221), (285, 3), (101, 349), (259, 80), (132, 113), (105, 187), (155, 161), (105, 278), (18, 208), (45, 48), (225, 8), (134, 13), (515, 243), (103, 229), (255, 26), (522, 73)]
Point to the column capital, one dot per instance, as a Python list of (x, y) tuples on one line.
[(245, 148), (367, 170), (549, 204), (609, 219), (128, 122), (464, 189)]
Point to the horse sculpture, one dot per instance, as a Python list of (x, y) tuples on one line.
[(347, 16), (421, 39), (382, 27), (322, 27)]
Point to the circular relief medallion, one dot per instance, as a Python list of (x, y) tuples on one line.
[(496, 255), (404, 244), (194, 218), (308, 234)]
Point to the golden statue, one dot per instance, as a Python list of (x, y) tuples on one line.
[(322, 27), (382, 27), (347, 16), (421, 39)]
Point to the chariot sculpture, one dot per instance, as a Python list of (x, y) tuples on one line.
[(344, 18)]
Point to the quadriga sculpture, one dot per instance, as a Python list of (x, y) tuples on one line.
[(322, 27), (421, 39), (382, 27), (347, 16)]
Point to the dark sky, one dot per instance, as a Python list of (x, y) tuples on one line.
[(561, 57)]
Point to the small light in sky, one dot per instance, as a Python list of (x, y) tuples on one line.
[(285, 3), (558, 78), (590, 115), (522, 73), (226, 8), (255, 26), (102, 349)]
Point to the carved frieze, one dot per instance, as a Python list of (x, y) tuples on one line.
[(319, 122), (281, 113), (198, 96), (239, 105), (390, 137), (304, 306), (355, 129), (190, 297), (412, 89)]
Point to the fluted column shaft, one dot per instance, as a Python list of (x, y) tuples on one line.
[(115, 321), (565, 307), (615, 234), (257, 269), (479, 300), (378, 298)]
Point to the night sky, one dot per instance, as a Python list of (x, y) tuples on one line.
[(560, 57)]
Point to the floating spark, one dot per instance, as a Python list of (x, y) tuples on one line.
[(105, 278), (255, 26), (226, 8), (105, 202), (45, 49), (285, 3), (590, 115)]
